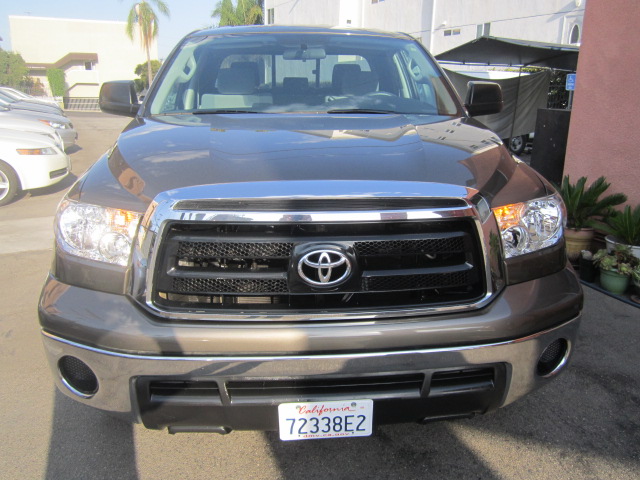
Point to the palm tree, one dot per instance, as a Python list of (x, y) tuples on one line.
[(245, 12), (143, 16)]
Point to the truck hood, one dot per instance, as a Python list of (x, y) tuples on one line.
[(163, 153)]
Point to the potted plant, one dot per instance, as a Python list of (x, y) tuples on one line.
[(584, 207), (623, 228), (615, 268)]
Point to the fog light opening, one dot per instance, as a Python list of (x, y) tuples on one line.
[(78, 377), (553, 358)]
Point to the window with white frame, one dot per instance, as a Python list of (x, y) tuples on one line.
[(574, 38), (483, 30)]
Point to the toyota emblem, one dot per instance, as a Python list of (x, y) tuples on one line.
[(324, 268)]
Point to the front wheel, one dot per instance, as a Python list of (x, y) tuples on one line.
[(9, 184)]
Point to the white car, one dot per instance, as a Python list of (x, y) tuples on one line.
[(27, 161), (62, 124), (10, 122), (26, 96)]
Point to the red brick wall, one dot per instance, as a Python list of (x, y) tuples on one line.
[(604, 134)]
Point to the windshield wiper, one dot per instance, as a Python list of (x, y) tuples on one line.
[(222, 110), (359, 110)]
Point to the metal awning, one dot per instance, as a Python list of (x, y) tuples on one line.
[(512, 52)]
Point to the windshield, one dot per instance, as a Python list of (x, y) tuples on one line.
[(300, 73)]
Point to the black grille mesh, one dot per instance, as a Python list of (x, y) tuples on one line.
[(229, 285), (404, 247), (414, 282), (234, 250)]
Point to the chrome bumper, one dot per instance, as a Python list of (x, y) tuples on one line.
[(116, 372)]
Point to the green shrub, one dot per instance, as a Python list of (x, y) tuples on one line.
[(56, 82)]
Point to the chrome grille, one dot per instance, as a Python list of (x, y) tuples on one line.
[(253, 267)]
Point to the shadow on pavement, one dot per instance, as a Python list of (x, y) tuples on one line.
[(73, 149), (86, 443), (394, 452), (585, 424)]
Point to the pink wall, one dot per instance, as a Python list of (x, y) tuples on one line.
[(605, 129)]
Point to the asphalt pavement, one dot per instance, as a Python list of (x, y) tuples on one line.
[(584, 425)]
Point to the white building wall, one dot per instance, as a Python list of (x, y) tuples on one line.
[(306, 12), (542, 20), (441, 24), (47, 40)]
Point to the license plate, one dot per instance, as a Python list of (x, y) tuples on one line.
[(308, 420)]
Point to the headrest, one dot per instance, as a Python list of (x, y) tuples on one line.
[(248, 68), (360, 83), (235, 81), (295, 84), (340, 70)]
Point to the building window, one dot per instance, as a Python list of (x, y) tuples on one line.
[(374, 1), (88, 65), (483, 30), (270, 16), (452, 31), (575, 35)]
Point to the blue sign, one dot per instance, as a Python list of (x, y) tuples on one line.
[(571, 82)]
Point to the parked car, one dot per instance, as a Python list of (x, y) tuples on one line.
[(32, 125), (18, 95), (6, 101), (60, 123), (302, 229), (28, 161)]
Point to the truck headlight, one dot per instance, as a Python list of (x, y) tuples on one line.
[(530, 226), (99, 233)]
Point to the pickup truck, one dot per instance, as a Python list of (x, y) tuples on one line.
[(304, 230)]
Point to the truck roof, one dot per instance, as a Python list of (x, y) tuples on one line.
[(270, 29)]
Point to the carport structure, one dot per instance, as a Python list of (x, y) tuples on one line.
[(523, 95), (496, 51)]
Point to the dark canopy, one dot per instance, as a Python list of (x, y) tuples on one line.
[(512, 52)]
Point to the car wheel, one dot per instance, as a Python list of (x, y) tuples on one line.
[(9, 184), (517, 144)]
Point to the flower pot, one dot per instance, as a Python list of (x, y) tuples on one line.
[(612, 241), (636, 283), (614, 282), (576, 241)]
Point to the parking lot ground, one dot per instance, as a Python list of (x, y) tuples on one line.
[(584, 425)]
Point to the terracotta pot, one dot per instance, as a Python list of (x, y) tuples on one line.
[(614, 282), (576, 241)]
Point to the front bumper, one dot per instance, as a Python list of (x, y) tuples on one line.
[(39, 171), (69, 136), (126, 381)]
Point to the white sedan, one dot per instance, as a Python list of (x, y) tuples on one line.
[(32, 125), (27, 161)]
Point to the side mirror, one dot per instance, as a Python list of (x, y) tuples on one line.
[(119, 97), (483, 98)]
